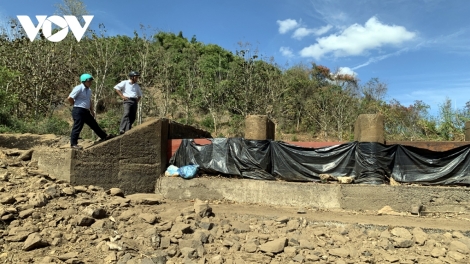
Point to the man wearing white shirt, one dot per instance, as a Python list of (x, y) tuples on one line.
[(82, 112), (130, 92)]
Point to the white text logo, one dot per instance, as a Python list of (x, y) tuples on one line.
[(64, 23)]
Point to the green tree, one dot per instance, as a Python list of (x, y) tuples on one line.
[(451, 121), (213, 88), (8, 97), (344, 105), (299, 87), (373, 93), (408, 122)]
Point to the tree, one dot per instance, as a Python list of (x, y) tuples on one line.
[(99, 53), (451, 121), (408, 122), (145, 55), (8, 98), (74, 8), (374, 90), (212, 88), (344, 107), (71, 8), (44, 69), (299, 87), (245, 82), (169, 50)]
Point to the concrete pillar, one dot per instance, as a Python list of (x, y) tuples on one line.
[(369, 128), (259, 127), (467, 131)]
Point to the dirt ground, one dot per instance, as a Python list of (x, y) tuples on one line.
[(44, 220)]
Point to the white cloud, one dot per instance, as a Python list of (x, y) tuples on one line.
[(346, 70), (286, 51), (303, 32), (323, 30), (287, 25), (381, 57), (357, 39)]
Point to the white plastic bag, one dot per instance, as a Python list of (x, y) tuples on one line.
[(171, 171)]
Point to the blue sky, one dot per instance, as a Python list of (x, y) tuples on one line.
[(419, 48)]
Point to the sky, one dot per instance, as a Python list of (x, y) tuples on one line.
[(419, 48)]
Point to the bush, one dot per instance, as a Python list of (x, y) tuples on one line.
[(189, 121), (5, 118), (207, 123), (237, 126), (52, 125), (111, 120), (4, 129)]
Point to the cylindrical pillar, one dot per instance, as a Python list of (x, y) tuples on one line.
[(259, 127), (467, 131), (369, 128)]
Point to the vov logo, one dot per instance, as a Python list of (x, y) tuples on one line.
[(45, 23)]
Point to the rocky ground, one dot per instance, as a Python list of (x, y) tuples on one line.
[(44, 220)]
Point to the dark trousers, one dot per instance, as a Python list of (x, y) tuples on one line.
[(128, 118), (80, 117)]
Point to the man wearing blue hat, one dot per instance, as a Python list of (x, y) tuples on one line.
[(82, 112)]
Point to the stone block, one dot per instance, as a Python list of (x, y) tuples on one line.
[(369, 128), (259, 127)]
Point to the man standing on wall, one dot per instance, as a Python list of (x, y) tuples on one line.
[(82, 112), (130, 92)]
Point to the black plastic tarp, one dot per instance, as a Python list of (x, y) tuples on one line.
[(294, 163), (415, 165), (373, 163), (228, 156), (367, 162)]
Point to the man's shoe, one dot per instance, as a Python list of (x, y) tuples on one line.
[(109, 136), (77, 147), (121, 132)]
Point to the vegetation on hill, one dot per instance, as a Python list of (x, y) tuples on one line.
[(198, 84)]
